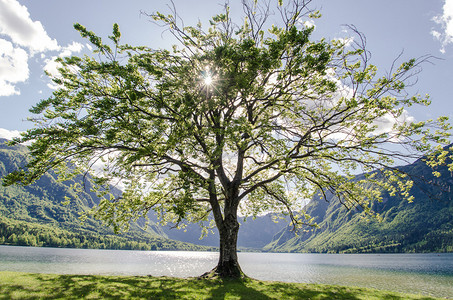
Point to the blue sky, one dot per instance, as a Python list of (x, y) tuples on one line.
[(33, 33)]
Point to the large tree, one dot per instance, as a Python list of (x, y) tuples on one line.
[(240, 116)]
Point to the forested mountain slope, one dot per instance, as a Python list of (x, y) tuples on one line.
[(425, 225), (39, 208), (35, 214)]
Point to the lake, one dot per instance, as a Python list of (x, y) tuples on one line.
[(428, 274)]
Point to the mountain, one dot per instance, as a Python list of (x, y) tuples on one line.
[(425, 225), (254, 234), (35, 215), (38, 210)]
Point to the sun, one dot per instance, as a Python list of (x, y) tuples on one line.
[(208, 80)]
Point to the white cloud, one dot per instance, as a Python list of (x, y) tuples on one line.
[(9, 134), (386, 123), (52, 66), (445, 22), (13, 68), (346, 41), (309, 23), (15, 22), (20, 39), (72, 48), (436, 34)]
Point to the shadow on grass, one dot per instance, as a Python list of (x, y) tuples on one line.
[(251, 289), (47, 286)]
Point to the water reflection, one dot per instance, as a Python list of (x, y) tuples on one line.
[(430, 274), (105, 262)]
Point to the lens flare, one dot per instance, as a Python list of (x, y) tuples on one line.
[(208, 80)]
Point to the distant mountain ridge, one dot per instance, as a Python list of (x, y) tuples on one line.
[(42, 203), (254, 234), (42, 200), (425, 225)]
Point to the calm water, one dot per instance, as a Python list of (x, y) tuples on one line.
[(429, 274)]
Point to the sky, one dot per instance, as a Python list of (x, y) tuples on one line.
[(33, 33)]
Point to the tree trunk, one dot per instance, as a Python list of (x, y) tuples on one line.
[(228, 227), (228, 265)]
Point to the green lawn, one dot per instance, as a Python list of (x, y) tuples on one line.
[(15, 285)]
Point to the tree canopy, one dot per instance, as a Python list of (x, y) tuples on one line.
[(243, 115)]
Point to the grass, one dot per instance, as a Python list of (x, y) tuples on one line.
[(14, 285)]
